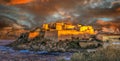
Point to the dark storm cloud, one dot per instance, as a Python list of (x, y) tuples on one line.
[(84, 11)]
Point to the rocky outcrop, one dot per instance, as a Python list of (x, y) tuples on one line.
[(41, 44)]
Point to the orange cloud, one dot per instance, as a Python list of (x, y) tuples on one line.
[(14, 2), (118, 9)]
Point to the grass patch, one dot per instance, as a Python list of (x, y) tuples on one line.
[(108, 54)]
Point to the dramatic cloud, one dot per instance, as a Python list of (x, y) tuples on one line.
[(82, 11), (15, 2)]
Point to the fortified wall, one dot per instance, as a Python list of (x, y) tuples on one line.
[(63, 31)]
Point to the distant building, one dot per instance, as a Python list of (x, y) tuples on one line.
[(108, 37), (63, 31)]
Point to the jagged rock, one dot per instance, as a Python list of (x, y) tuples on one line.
[(42, 44)]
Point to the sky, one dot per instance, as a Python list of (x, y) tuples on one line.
[(32, 13)]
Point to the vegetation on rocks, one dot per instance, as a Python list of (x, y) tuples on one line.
[(41, 44)]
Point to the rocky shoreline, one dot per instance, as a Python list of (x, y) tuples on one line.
[(8, 54)]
